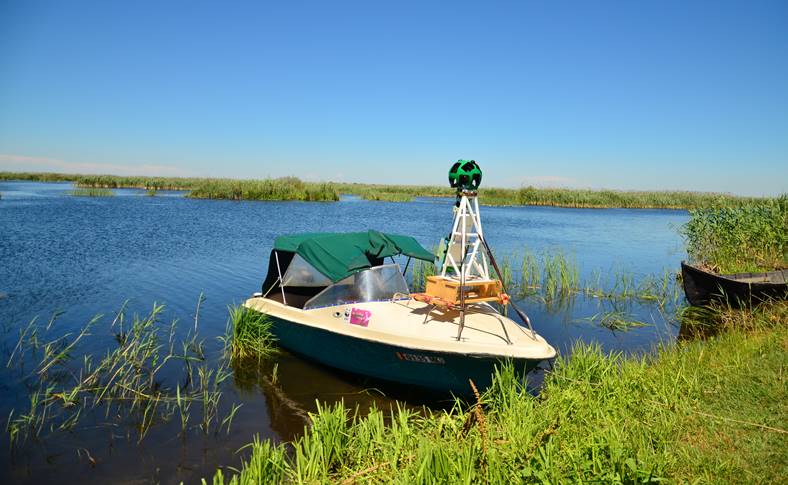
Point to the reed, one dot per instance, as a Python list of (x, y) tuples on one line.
[(559, 197), (616, 320), (249, 334), (421, 271), (286, 188), (708, 411), (92, 193), (150, 192), (744, 238), (127, 382)]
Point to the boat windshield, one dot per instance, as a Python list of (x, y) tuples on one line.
[(374, 284)]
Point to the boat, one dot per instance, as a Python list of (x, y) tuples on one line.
[(740, 289), (341, 299)]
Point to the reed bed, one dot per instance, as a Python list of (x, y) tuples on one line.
[(249, 334), (554, 275), (128, 381), (286, 188), (92, 193), (282, 189), (704, 411), (746, 238), (559, 197)]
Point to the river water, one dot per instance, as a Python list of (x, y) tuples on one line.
[(84, 256)]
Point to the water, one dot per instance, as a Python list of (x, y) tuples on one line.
[(85, 256)]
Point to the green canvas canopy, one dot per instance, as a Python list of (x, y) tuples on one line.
[(338, 255)]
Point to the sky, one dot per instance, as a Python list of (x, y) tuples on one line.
[(688, 95)]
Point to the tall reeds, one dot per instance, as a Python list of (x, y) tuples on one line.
[(281, 189), (744, 238), (92, 193), (249, 334), (127, 382)]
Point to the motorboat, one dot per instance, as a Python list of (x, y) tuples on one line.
[(341, 299)]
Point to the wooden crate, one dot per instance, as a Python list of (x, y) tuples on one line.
[(475, 290)]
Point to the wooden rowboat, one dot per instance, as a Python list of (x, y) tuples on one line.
[(739, 289)]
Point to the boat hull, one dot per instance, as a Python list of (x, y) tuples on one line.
[(702, 287), (437, 371)]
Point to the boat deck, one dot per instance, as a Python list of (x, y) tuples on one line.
[(416, 325)]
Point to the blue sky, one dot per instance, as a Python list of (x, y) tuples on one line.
[(627, 95)]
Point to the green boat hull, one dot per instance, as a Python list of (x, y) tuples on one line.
[(437, 371)]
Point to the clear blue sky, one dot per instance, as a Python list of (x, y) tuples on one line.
[(628, 95)]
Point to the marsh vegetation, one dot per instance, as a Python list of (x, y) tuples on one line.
[(92, 192), (743, 238), (292, 188), (132, 383)]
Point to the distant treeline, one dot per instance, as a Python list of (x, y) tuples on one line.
[(292, 188)]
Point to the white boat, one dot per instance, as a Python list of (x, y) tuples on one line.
[(332, 298)]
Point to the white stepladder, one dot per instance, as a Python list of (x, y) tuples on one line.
[(465, 274), (463, 255)]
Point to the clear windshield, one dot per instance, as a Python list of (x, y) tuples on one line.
[(374, 284)]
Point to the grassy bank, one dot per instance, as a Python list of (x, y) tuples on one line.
[(750, 237), (704, 411), (291, 188)]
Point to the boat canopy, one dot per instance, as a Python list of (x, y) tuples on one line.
[(339, 255)]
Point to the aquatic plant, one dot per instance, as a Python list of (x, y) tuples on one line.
[(421, 271), (150, 192), (286, 188), (92, 193), (600, 418), (744, 238), (615, 319), (561, 197), (249, 334), (128, 382)]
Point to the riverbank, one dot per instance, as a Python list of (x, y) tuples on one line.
[(292, 188), (708, 411)]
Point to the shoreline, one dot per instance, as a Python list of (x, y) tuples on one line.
[(292, 188)]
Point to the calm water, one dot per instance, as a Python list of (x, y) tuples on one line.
[(86, 256)]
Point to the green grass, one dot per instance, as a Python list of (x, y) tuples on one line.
[(92, 193), (745, 238), (561, 197), (150, 192), (67, 384), (286, 188), (249, 334), (702, 412), (290, 188)]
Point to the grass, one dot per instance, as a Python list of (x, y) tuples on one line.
[(286, 188), (150, 192), (249, 334), (702, 412), (290, 188), (745, 238), (127, 382), (92, 193), (560, 197), (554, 275)]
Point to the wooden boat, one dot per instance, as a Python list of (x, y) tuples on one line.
[(739, 289), (332, 299)]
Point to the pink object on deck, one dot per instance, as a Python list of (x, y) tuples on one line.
[(360, 317)]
